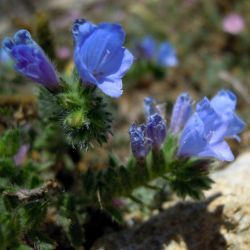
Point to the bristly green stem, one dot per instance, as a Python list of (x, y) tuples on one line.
[(121, 181)]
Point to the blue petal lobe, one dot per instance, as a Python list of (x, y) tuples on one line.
[(81, 30), (111, 87), (106, 41)]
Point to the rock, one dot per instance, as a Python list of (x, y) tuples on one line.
[(220, 222)]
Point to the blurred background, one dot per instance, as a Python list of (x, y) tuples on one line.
[(211, 39)]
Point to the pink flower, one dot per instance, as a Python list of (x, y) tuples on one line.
[(233, 23), (63, 52), (118, 203)]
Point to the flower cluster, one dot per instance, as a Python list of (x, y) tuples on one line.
[(73, 102), (201, 134), (150, 135), (99, 56), (164, 55), (213, 121)]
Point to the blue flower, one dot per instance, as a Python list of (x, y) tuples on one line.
[(156, 130), (163, 55), (99, 55), (203, 141), (30, 60), (167, 56), (140, 143), (204, 133), (146, 48), (224, 104), (181, 112)]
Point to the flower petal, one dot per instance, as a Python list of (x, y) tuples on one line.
[(81, 29), (104, 42), (83, 71), (211, 120), (167, 56), (7, 44), (220, 151), (192, 141), (123, 63), (181, 112), (23, 37), (224, 102), (236, 126), (111, 87)]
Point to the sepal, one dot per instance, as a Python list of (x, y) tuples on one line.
[(79, 111), (189, 177)]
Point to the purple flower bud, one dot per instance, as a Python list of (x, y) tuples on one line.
[(99, 55), (140, 143), (167, 55), (30, 60), (150, 106), (181, 112), (156, 130)]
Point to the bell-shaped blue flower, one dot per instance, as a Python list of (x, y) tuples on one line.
[(140, 143), (182, 110), (204, 133), (156, 130), (146, 48), (167, 56), (99, 55), (200, 140), (30, 60), (224, 104)]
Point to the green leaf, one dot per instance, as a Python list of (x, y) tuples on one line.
[(113, 161), (9, 143), (7, 167), (24, 247), (170, 147), (189, 177)]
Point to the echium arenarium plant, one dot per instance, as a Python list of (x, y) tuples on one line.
[(46, 213)]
